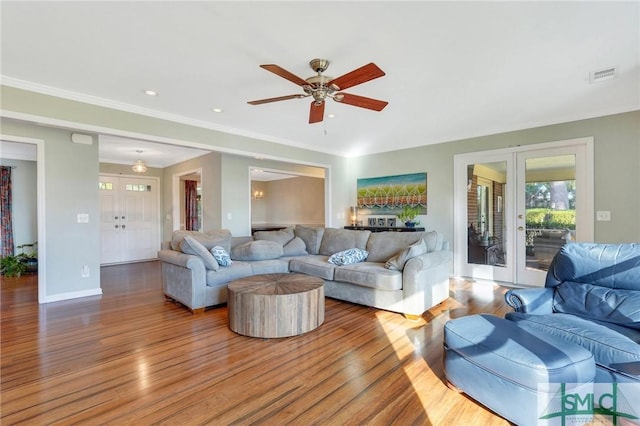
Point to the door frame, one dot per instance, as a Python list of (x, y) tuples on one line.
[(508, 273), (40, 205), (175, 196)]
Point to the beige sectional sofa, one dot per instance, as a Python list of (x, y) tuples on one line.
[(405, 272)]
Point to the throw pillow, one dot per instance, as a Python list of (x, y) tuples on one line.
[(282, 236), (192, 246), (209, 239), (221, 256), (398, 261), (257, 250), (312, 237), (349, 256), (295, 247)]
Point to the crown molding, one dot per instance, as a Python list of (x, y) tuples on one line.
[(122, 106)]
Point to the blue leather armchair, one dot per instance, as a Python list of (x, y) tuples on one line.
[(591, 298), (582, 328)]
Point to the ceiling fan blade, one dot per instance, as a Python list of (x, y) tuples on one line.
[(316, 114), (279, 98), (360, 101), (278, 70), (358, 76)]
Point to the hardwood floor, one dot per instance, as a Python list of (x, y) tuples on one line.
[(131, 357)]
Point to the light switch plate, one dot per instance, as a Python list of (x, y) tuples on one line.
[(83, 218), (603, 215)]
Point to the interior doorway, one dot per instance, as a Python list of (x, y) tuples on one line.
[(515, 208), (282, 198), (31, 149)]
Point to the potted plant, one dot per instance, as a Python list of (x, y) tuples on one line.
[(408, 216), (531, 235), (29, 258), (11, 266)]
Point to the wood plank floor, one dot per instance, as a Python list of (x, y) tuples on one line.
[(131, 357)]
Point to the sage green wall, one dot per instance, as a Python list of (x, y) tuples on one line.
[(210, 166), (617, 170), (71, 180)]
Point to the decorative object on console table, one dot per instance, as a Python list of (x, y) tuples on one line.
[(385, 228), (408, 216)]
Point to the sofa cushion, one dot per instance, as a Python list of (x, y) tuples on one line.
[(617, 306), (314, 264), (270, 266), (221, 256), (433, 240), (335, 240), (190, 245), (397, 262), (370, 274), (612, 346), (347, 257), (383, 245), (224, 275), (282, 236), (312, 237), (220, 237), (257, 250), (295, 247)]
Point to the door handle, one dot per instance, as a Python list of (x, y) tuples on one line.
[(520, 216), (123, 226), (116, 226), (116, 218), (520, 228), (122, 217)]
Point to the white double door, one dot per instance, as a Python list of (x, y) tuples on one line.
[(129, 218), (493, 199)]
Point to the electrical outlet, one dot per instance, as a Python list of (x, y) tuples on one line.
[(85, 271), (229, 216)]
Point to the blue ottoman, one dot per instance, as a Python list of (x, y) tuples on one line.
[(502, 366)]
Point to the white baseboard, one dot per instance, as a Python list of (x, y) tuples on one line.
[(72, 295)]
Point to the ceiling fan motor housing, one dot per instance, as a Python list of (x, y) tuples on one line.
[(319, 65)]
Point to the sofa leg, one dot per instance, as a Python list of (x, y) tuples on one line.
[(197, 311), (412, 317)]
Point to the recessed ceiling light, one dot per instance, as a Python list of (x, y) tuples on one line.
[(216, 109), (151, 92)]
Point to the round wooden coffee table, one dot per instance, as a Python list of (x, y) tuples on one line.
[(275, 305)]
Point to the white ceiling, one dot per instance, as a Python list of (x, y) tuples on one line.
[(453, 69)]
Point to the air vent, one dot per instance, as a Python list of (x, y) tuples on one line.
[(603, 75)]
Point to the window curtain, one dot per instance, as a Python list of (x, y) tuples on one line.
[(191, 205), (6, 249)]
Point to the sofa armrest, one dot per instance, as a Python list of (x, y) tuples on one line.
[(537, 301), (425, 281), (184, 278)]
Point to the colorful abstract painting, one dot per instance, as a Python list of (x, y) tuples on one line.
[(389, 194)]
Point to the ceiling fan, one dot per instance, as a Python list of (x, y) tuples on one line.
[(322, 87)]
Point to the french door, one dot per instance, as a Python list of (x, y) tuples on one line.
[(515, 208), (129, 219)]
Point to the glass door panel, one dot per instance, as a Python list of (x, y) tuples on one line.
[(547, 211)]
